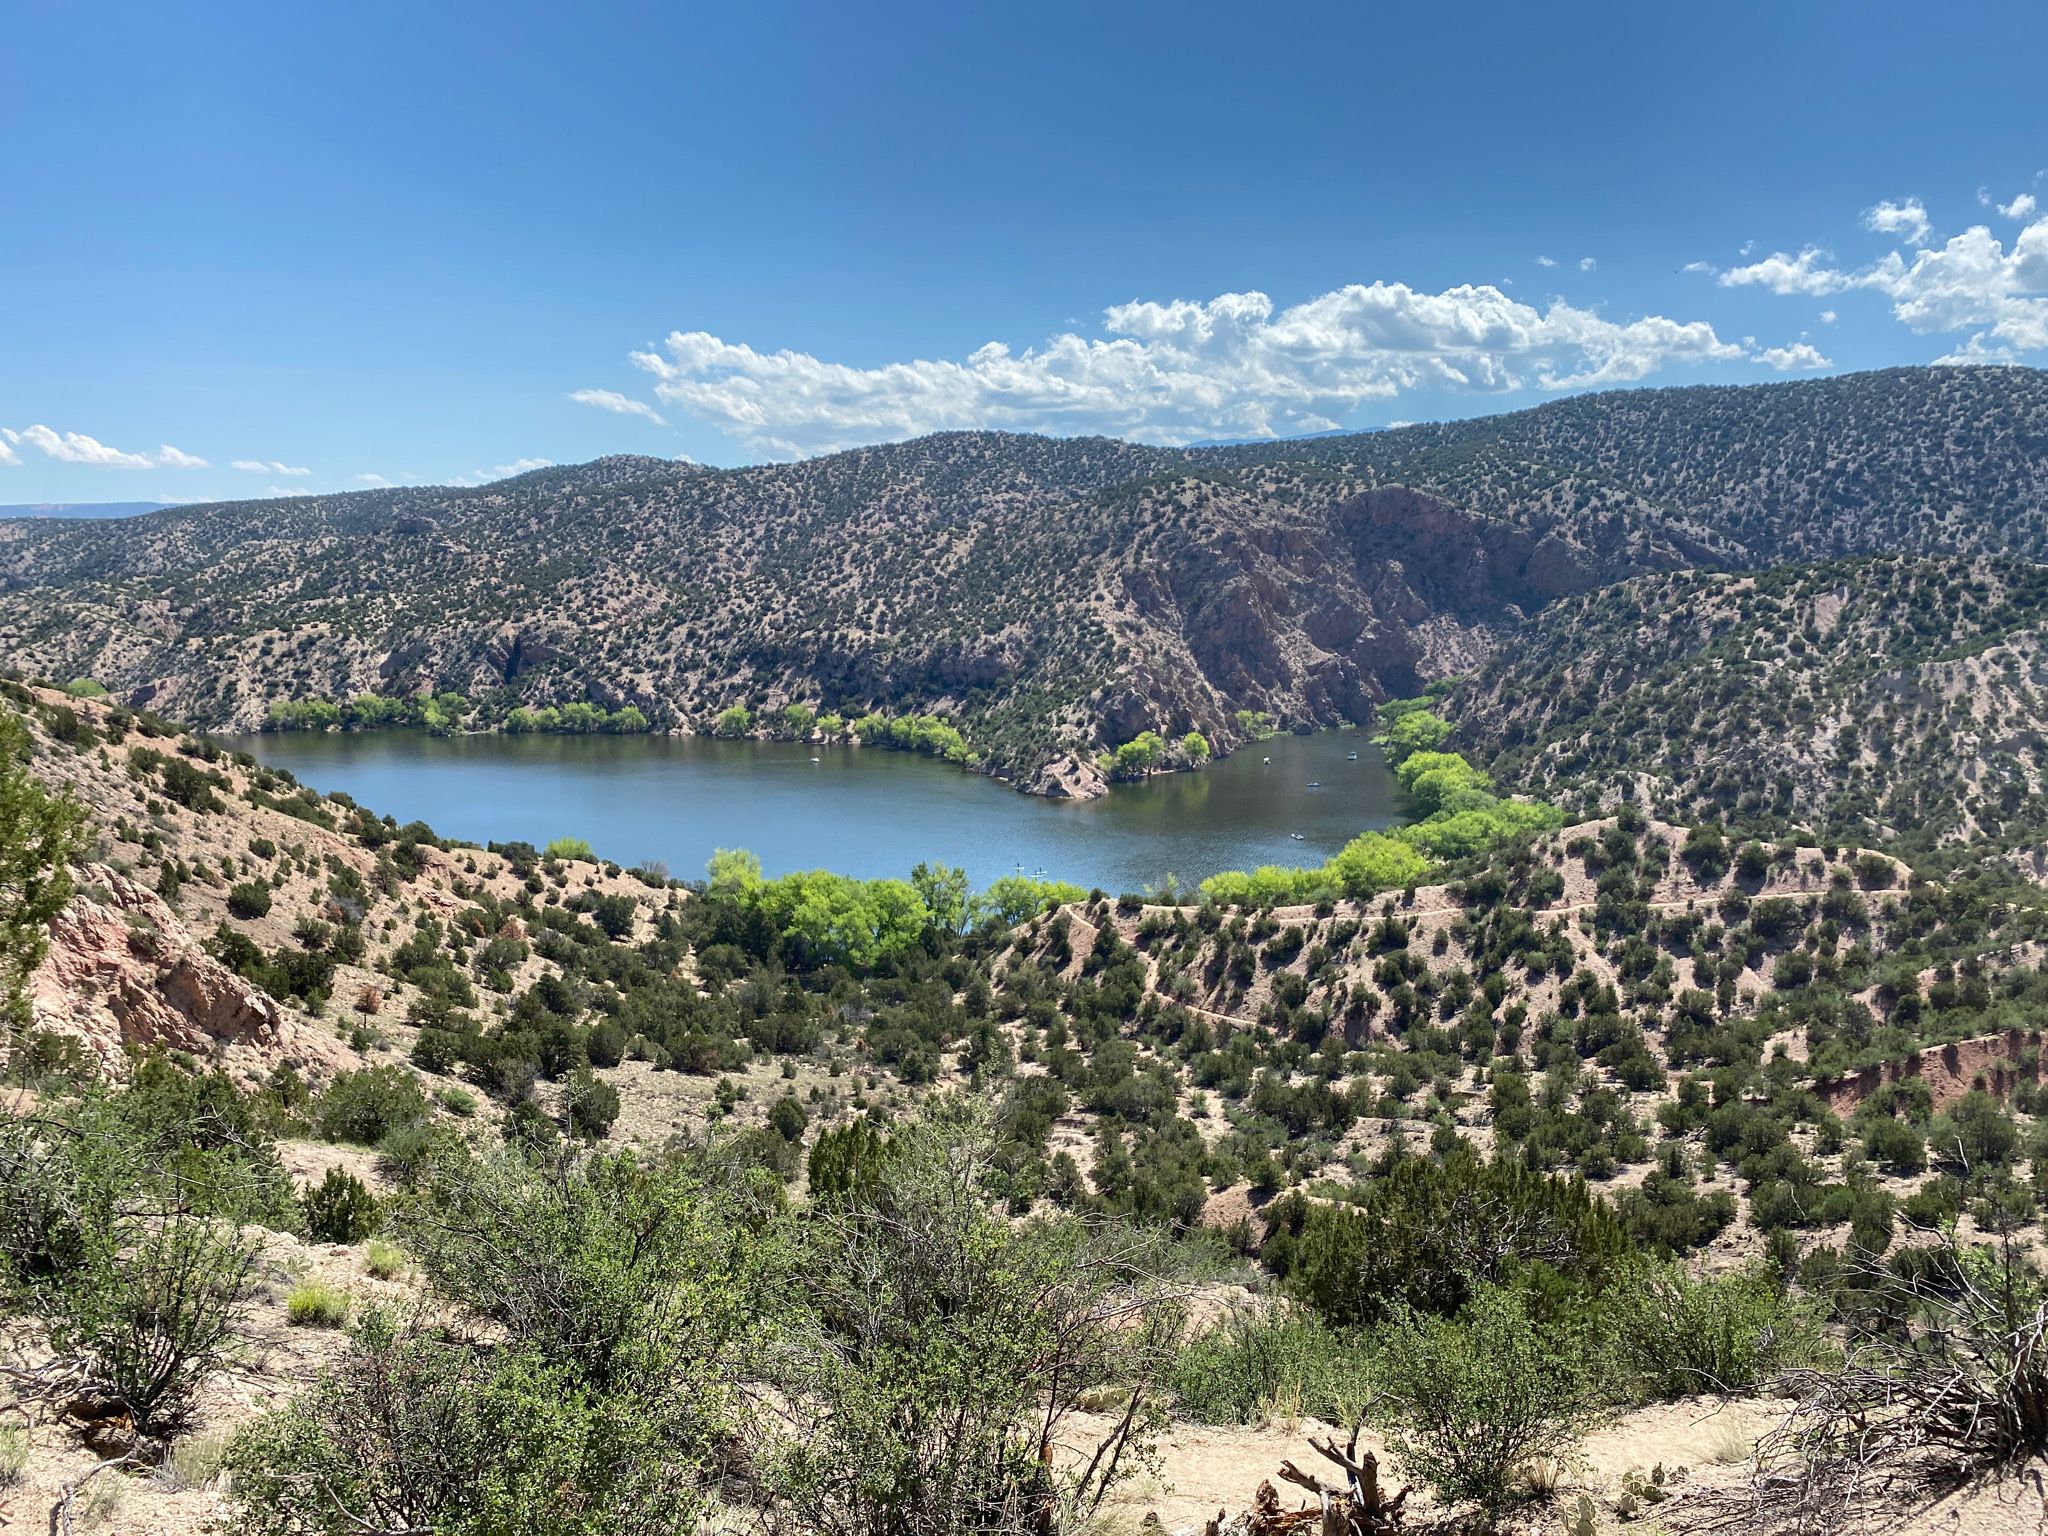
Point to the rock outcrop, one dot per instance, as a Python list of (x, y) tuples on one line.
[(1997, 1064), (123, 970), (1069, 778)]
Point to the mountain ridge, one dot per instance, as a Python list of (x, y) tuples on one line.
[(1053, 597)]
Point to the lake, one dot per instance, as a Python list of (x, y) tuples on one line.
[(857, 810)]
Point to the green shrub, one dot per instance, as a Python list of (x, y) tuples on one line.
[(249, 899), (1466, 1404), (434, 1434), (339, 1209), (365, 1106), (151, 1310), (593, 1105), (1259, 1365), (13, 1454), (316, 1304), (457, 1101), (846, 1161), (1681, 1336), (606, 1045), (569, 848), (1425, 1233), (383, 1260), (438, 1051), (940, 1343)]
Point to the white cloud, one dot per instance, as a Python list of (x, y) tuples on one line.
[(620, 405), (1798, 354), (1699, 266), (1827, 317), (2019, 208), (77, 448), (1970, 282), (1976, 351), (1180, 371), (375, 481), (1545, 261), (1905, 218), (8, 455), (1587, 263), (503, 472), (1807, 273), (267, 467)]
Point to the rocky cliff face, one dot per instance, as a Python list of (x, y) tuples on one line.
[(1317, 614), (123, 970)]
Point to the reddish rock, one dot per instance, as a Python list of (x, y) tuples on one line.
[(123, 970), (1990, 1062)]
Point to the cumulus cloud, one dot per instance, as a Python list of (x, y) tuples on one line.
[(618, 404), (77, 448), (8, 455), (267, 467), (1906, 219), (1798, 354), (1971, 282), (1810, 272), (1827, 317), (1546, 261), (2019, 208), (375, 481), (1587, 263), (1180, 371)]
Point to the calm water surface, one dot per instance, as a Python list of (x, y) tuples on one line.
[(860, 811)]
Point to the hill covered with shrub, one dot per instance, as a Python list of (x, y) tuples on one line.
[(1049, 599), (1587, 1118), (1898, 702)]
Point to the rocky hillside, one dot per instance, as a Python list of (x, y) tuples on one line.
[(1052, 597), (225, 912), (1901, 702), (222, 911), (1906, 459), (1737, 1052)]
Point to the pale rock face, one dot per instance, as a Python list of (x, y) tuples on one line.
[(123, 970), (1069, 778)]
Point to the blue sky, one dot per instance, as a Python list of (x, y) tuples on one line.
[(338, 245)]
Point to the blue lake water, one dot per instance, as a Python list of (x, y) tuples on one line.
[(858, 810)]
